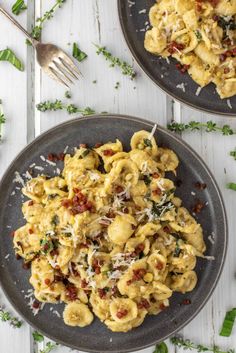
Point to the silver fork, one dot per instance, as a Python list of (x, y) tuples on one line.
[(54, 61)]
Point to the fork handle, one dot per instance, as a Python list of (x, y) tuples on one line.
[(16, 23)]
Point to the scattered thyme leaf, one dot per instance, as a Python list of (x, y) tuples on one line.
[(9, 55), (18, 7), (117, 85), (68, 94), (37, 30), (126, 69), (58, 105), (233, 154), (78, 54), (231, 186), (5, 316), (161, 348), (38, 337), (228, 323), (50, 346), (2, 119), (147, 180), (209, 126), (187, 344)]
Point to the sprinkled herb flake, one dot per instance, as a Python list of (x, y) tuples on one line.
[(147, 143)]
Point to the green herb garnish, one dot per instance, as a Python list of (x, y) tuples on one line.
[(37, 30), (117, 85), (228, 323), (68, 94), (187, 344), (158, 209), (147, 142), (161, 348), (231, 186), (2, 119), (55, 220), (5, 316), (46, 246), (123, 65), (233, 154), (38, 337), (177, 249), (18, 7), (209, 126), (147, 180), (58, 105), (78, 54), (198, 35), (85, 153), (49, 347), (9, 55)]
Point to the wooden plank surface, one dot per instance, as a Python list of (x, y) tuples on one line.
[(96, 21)]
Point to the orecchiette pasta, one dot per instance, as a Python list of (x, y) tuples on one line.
[(201, 35), (114, 243)]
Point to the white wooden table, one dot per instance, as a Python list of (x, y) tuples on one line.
[(96, 21)]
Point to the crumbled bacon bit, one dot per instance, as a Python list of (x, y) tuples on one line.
[(159, 266), (174, 47), (71, 292), (125, 210), (166, 229), (82, 145), (47, 281), (155, 175), (26, 265), (101, 293), (66, 203), (31, 231), (226, 70), (108, 152), (121, 313), (12, 234), (200, 186), (36, 304), (186, 302), (198, 206), (18, 257), (30, 203), (144, 303), (139, 274), (58, 278), (76, 190), (84, 283), (162, 306), (118, 189), (114, 291), (182, 68), (98, 144), (51, 157), (61, 156), (54, 252), (157, 191)]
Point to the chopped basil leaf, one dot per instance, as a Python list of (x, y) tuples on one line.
[(18, 7), (158, 209), (37, 336), (228, 323), (177, 249), (147, 142), (78, 54), (161, 348), (46, 246), (9, 55)]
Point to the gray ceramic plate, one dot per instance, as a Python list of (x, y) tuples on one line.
[(97, 338), (134, 20)]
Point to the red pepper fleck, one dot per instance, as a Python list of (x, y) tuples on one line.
[(84, 283), (162, 306), (121, 313), (108, 152)]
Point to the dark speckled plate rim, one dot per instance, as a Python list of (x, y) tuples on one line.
[(156, 81), (150, 124)]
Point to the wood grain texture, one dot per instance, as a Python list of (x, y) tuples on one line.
[(96, 21)]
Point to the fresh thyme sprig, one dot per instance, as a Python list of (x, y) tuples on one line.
[(5, 316), (59, 105), (126, 69), (50, 346), (209, 126), (187, 344), (37, 30), (2, 119)]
